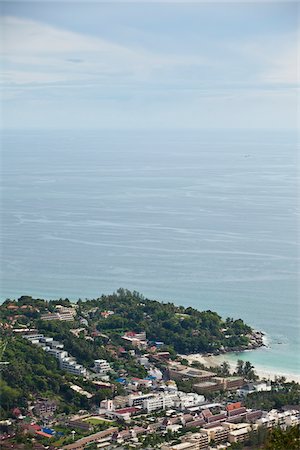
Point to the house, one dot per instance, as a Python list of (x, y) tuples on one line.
[(45, 407), (107, 405), (123, 413), (138, 340), (106, 314), (249, 388)]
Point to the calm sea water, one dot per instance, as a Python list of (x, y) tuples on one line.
[(201, 219)]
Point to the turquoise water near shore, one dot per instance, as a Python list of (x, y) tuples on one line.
[(201, 219)]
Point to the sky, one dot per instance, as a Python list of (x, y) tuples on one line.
[(149, 65)]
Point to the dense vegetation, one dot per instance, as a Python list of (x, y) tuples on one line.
[(279, 439), (286, 394), (31, 373), (85, 351), (187, 330)]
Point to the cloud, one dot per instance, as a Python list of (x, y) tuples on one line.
[(34, 52), (284, 68), (274, 59)]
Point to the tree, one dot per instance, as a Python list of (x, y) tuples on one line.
[(240, 367), (284, 439), (249, 372), (225, 369)]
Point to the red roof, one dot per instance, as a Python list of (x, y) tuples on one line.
[(207, 413), (130, 334), (16, 411), (41, 433), (233, 406), (35, 426), (129, 410)]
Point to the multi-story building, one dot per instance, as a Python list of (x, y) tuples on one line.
[(283, 419), (182, 446), (215, 384), (45, 407), (218, 434), (138, 399), (240, 434), (69, 364), (62, 313), (180, 372), (186, 400), (102, 366), (55, 348), (249, 388), (207, 386), (200, 440), (232, 383), (160, 401)]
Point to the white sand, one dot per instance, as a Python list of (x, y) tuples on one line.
[(262, 372)]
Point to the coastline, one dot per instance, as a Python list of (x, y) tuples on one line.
[(262, 372)]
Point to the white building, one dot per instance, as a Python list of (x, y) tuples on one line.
[(57, 353), (160, 401), (55, 348), (107, 405), (187, 400), (144, 361), (261, 386), (102, 366), (282, 419), (138, 399), (154, 372), (70, 365)]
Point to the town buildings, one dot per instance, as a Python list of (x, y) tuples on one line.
[(55, 348), (61, 313)]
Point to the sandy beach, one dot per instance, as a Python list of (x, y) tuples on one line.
[(213, 361)]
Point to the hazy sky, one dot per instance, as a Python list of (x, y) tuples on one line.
[(149, 65)]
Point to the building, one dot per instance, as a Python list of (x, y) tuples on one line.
[(182, 446), (82, 425), (207, 386), (200, 440), (232, 383), (180, 372), (107, 405), (62, 313), (282, 419), (55, 348), (102, 366), (186, 400), (159, 401), (218, 434), (123, 413), (138, 399), (240, 433), (101, 436), (219, 384), (69, 364), (249, 388), (138, 340), (44, 407)]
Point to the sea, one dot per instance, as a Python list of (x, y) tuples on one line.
[(207, 219)]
